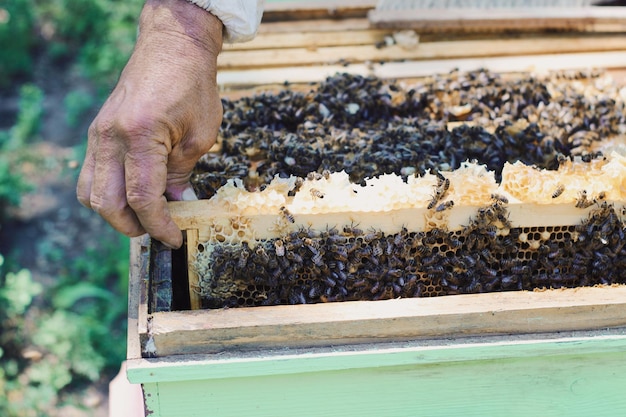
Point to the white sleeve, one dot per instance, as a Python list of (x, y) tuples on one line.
[(241, 18)]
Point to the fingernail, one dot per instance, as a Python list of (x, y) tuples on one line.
[(170, 246), (189, 195)]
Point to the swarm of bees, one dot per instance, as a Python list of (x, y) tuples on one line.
[(308, 266), (370, 127)]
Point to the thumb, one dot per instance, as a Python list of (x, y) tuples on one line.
[(181, 163), (184, 192), (178, 188)]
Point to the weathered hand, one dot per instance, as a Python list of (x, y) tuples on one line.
[(161, 117)]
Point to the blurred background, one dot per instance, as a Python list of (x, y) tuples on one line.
[(63, 271)]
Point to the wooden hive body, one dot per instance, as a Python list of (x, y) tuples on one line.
[(562, 349)]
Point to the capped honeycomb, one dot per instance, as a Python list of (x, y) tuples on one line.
[(309, 256), (363, 189)]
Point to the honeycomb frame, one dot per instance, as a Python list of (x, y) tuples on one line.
[(348, 263), (293, 240)]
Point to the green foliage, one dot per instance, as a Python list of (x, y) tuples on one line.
[(18, 396), (72, 21), (95, 287), (16, 39), (28, 119), (66, 336), (98, 35), (103, 57), (11, 185), (13, 143), (67, 25), (55, 339), (18, 292), (78, 337), (77, 104)]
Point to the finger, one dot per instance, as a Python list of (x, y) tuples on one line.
[(146, 175), (108, 194), (182, 160), (85, 178)]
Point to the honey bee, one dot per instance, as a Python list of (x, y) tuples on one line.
[(293, 243), (504, 220), (443, 184), (583, 202), (340, 253), (287, 214), (444, 206), (372, 235), (280, 247), (375, 288), (294, 256), (311, 244), (353, 230), (433, 202), (429, 260), (336, 239), (330, 282), (315, 193), (296, 186), (314, 290), (261, 255), (510, 282), (498, 198), (296, 297), (488, 271), (440, 177), (475, 287), (243, 258), (455, 243), (559, 190)]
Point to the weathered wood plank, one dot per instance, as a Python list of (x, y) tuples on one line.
[(190, 332), (425, 51), (196, 215), (499, 19), (137, 294), (318, 25), (229, 79), (194, 280), (320, 9), (133, 347), (309, 40)]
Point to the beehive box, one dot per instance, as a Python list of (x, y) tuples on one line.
[(405, 232), (399, 286)]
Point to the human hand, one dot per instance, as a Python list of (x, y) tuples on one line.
[(162, 116)]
